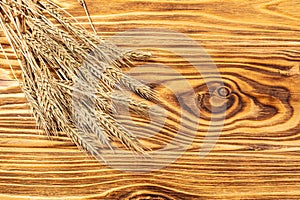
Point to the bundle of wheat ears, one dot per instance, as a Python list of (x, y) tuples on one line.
[(60, 61)]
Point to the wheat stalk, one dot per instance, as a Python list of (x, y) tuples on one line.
[(69, 67)]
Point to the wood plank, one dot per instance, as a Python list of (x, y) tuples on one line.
[(254, 44)]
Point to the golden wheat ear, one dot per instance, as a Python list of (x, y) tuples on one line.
[(69, 67)]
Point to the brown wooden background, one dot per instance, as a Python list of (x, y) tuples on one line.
[(256, 46)]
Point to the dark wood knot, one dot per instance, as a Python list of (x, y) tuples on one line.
[(223, 91)]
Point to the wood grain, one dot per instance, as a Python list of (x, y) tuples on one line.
[(256, 47)]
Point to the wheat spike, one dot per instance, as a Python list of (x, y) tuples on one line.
[(69, 75)]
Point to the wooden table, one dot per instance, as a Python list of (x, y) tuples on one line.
[(256, 47)]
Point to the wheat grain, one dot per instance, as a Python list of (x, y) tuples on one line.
[(70, 67)]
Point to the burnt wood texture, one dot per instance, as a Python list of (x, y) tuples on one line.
[(256, 47)]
